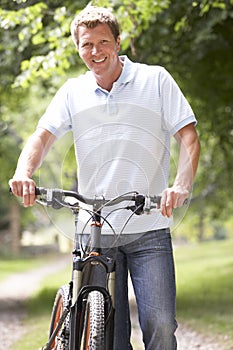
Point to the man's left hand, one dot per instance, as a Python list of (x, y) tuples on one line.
[(172, 197)]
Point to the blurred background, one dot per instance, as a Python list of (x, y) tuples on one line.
[(193, 40)]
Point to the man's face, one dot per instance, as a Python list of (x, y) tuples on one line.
[(99, 50)]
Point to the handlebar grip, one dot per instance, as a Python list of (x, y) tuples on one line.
[(37, 191)]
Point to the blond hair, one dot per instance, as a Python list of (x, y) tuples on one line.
[(90, 17)]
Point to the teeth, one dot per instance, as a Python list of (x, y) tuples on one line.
[(98, 61)]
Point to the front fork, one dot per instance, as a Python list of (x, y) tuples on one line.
[(94, 272)]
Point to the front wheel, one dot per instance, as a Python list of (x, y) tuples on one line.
[(61, 341), (93, 322)]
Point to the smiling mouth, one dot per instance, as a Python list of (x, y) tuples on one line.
[(100, 60)]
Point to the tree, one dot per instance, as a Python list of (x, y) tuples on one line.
[(195, 42)]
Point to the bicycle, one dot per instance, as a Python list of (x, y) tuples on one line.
[(83, 312)]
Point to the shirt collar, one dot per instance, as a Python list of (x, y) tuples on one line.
[(128, 70)]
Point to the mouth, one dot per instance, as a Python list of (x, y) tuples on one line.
[(99, 60)]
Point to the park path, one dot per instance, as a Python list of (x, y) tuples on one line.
[(12, 311), (13, 293), (187, 339)]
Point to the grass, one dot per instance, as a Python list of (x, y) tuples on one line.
[(205, 287), (39, 309), (204, 294), (20, 264)]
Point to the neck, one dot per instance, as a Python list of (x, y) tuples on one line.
[(106, 81)]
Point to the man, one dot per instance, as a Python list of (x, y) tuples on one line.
[(122, 115)]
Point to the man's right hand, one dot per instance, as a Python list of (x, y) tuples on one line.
[(29, 161), (24, 187)]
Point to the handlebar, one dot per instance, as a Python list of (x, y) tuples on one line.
[(55, 198)]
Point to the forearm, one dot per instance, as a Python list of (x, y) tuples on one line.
[(175, 196), (188, 161), (30, 159), (33, 154)]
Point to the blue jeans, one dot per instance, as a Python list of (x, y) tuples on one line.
[(149, 259)]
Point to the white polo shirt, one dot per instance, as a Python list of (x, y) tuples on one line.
[(122, 137)]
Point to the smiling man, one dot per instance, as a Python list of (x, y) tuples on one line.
[(122, 115), (100, 54)]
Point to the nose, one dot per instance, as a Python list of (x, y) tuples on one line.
[(95, 49)]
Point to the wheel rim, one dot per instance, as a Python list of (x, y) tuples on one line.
[(60, 308)]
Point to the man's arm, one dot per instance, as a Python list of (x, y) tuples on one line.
[(29, 161), (189, 144)]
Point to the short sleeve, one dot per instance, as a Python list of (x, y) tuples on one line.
[(176, 111), (56, 118)]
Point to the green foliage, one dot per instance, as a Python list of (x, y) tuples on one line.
[(29, 16), (135, 17), (194, 41), (40, 35), (205, 286), (44, 31), (8, 153)]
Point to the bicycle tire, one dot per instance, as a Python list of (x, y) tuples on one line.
[(61, 341), (93, 329)]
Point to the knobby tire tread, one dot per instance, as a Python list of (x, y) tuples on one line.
[(94, 322)]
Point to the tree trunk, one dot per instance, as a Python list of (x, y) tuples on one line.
[(201, 226), (15, 228)]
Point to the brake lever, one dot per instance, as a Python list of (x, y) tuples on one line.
[(148, 203), (50, 197)]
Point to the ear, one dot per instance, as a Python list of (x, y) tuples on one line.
[(118, 43)]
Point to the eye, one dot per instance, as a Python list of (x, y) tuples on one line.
[(87, 44)]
